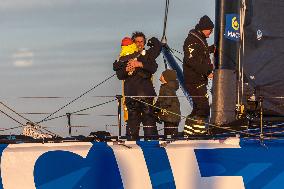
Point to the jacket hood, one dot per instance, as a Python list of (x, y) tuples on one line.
[(172, 84)]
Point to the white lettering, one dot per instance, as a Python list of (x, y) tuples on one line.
[(186, 171), (235, 35)]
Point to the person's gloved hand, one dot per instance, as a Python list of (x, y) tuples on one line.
[(156, 111), (152, 41), (212, 49)]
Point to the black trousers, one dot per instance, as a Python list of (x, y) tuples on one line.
[(139, 112), (171, 128), (200, 112), (200, 103)]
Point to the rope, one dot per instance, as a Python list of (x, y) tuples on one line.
[(275, 97), (43, 113), (79, 126), (115, 125), (48, 119), (77, 98), (176, 51), (175, 55), (43, 97), (12, 128), (166, 18), (209, 124), (154, 96), (163, 96), (256, 130)]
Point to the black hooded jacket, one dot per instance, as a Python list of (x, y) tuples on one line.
[(170, 104), (196, 62), (139, 83)]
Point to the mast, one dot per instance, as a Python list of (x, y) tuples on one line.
[(227, 37)]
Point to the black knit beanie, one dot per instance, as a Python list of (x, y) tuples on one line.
[(205, 23)]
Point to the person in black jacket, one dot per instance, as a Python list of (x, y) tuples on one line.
[(139, 83), (168, 103), (197, 68)]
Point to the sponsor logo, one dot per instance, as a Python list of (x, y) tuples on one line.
[(232, 30), (235, 24)]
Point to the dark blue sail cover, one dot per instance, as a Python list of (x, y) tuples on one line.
[(264, 51)]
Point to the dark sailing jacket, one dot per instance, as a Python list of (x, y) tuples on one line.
[(169, 103), (196, 62), (139, 83)]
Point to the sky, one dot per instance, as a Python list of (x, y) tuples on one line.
[(62, 48)]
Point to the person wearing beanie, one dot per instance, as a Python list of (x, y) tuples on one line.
[(136, 72), (197, 69), (168, 105)]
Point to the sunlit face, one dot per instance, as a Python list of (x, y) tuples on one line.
[(162, 79), (207, 33), (140, 42)]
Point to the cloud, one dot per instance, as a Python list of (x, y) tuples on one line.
[(23, 53), (23, 58), (23, 63)]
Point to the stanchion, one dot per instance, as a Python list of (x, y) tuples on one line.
[(68, 115), (119, 97)]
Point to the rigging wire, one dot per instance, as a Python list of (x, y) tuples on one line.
[(43, 97), (209, 124), (45, 119), (107, 96), (164, 96), (40, 127), (22, 125), (164, 38), (91, 107), (42, 113), (9, 108), (125, 96), (86, 92)]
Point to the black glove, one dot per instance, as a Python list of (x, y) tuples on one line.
[(212, 48), (152, 41), (157, 118), (157, 111)]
